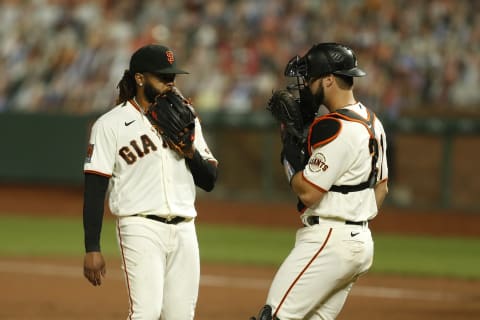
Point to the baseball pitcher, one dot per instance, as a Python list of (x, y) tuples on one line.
[(148, 154)]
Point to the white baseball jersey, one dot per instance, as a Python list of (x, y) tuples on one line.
[(315, 279), (161, 261), (145, 176), (346, 160)]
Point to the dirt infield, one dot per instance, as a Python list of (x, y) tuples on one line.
[(53, 288)]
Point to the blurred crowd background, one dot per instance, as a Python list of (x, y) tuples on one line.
[(69, 55)]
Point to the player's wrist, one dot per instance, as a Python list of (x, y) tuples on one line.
[(89, 248)]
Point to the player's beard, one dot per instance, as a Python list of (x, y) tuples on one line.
[(307, 102), (150, 92)]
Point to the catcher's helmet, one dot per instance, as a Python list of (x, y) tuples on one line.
[(323, 59)]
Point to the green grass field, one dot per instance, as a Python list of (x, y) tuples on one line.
[(394, 254)]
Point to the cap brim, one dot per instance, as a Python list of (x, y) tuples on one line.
[(354, 72), (171, 70)]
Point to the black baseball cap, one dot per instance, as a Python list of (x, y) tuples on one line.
[(154, 58)]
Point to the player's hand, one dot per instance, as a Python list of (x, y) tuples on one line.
[(94, 267)]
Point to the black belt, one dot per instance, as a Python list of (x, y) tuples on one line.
[(316, 220), (173, 220)]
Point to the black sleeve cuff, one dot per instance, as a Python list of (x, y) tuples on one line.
[(204, 172), (93, 204)]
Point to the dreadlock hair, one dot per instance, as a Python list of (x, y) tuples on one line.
[(127, 87)]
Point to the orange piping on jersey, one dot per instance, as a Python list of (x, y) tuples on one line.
[(348, 118), (323, 142), (98, 173), (302, 272), (125, 270), (312, 184), (133, 103)]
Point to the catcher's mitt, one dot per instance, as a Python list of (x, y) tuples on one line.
[(293, 129), (174, 119), (286, 109)]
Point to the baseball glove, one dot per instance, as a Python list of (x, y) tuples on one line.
[(286, 110), (174, 119)]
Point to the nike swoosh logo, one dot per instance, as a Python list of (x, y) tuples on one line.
[(129, 123), (353, 234)]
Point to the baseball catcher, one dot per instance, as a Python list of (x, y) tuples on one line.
[(173, 117), (294, 119), (339, 191)]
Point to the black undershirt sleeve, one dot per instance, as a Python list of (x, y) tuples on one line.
[(204, 172), (93, 204)]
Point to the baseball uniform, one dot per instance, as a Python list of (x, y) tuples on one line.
[(336, 245), (151, 192)]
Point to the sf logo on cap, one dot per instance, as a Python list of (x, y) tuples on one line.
[(170, 57)]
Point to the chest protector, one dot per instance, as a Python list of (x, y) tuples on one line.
[(349, 115)]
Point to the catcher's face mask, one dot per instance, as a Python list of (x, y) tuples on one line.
[(298, 67)]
